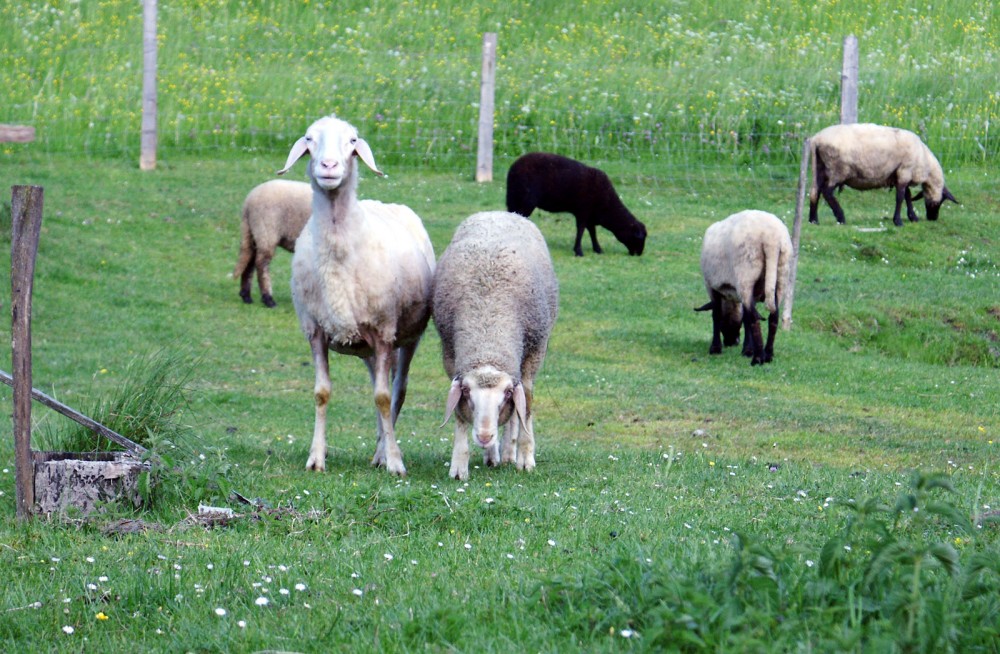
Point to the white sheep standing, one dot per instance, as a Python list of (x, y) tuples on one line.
[(362, 274), (496, 298), (273, 216), (865, 156), (745, 259)]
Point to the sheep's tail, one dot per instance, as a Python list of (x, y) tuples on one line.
[(813, 179), (247, 248), (774, 258)]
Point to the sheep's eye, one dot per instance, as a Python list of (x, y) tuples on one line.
[(507, 393), (354, 139), (465, 391)]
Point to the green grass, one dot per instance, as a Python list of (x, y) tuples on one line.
[(653, 456), (681, 502)]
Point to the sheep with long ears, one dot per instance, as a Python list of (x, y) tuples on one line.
[(362, 274), (496, 298)]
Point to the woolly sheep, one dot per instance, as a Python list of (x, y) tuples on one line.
[(361, 281), (556, 183), (865, 156), (274, 214), (745, 259), (495, 300)]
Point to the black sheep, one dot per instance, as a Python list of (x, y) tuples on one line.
[(556, 183)]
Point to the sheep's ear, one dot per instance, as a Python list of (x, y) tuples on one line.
[(365, 152), (918, 196), (520, 405), (946, 195), (704, 307), (295, 154), (454, 394)]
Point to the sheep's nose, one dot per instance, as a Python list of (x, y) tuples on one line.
[(329, 165)]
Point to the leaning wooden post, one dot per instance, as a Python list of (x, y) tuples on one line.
[(849, 81), (786, 318), (487, 85), (26, 223), (147, 154)]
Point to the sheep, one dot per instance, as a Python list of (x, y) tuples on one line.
[(274, 214), (496, 298), (362, 274), (745, 259), (865, 156), (556, 183)]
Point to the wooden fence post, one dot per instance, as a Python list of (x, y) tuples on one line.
[(147, 155), (849, 81), (26, 223), (487, 86), (786, 317)]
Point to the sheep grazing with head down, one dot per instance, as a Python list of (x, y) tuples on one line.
[(274, 214), (495, 300), (745, 259), (865, 156), (556, 183), (362, 274)]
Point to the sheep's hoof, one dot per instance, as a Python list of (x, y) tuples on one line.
[(317, 465), (246, 297), (268, 301), (458, 474)]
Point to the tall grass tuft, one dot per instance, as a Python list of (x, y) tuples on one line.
[(146, 407)]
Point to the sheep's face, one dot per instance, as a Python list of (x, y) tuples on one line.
[(932, 207), (637, 240), (332, 145), (632, 235), (486, 398), (731, 319)]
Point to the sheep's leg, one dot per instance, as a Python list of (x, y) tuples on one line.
[(401, 374), (491, 454), (593, 239), (900, 196), (263, 263), (460, 452), (320, 351), (772, 330), (245, 264), (526, 436), (716, 347), (577, 245), (751, 327), (910, 213), (508, 445), (814, 209), (832, 201), (387, 451)]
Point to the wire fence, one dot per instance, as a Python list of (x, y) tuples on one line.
[(223, 95)]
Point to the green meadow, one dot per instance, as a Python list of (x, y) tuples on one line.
[(843, 498)]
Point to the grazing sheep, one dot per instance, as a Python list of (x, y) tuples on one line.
[(865, 156), (495, 300), (274, 214), (361, 281), (556, 183), (745, 259)]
